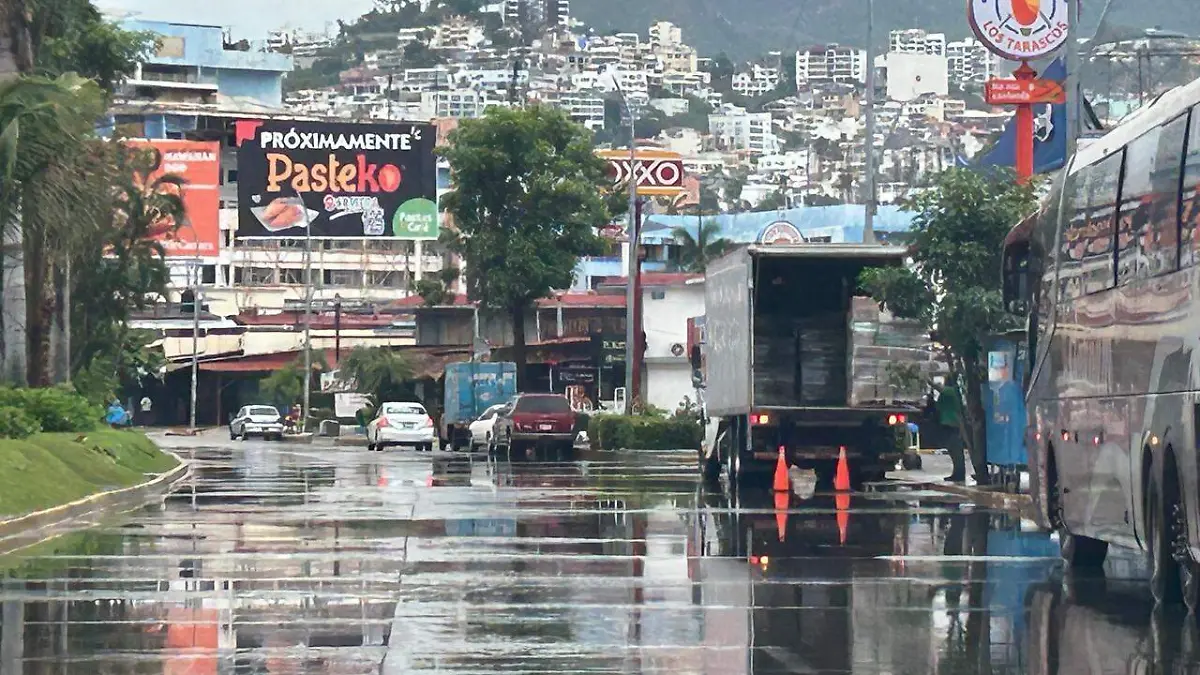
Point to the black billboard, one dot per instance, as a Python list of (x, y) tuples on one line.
[(339, 179)]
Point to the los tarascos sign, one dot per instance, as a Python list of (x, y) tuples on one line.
[(338, 179), (1020, 30)]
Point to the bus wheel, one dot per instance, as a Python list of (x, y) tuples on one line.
[(1189, 570), (1165, 572)]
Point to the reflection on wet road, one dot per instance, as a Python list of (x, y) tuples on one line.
[(295, 559)]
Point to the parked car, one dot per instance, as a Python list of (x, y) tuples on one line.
[(263, 421), (401, 424), (534, 421), (480, 431)]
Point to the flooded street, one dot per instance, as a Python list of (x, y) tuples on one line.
[(309, 559)]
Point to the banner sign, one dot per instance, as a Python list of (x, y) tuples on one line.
[(1001, 91), (198, 164), (339, 179), (608, 350)]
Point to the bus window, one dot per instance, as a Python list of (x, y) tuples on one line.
[(1160, 241), (1099, 274), (1189, 233), (1134, 218), (1073, 243)]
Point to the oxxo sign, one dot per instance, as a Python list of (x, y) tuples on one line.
[(657, 172)]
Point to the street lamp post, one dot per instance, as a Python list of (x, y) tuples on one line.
[(631, 327), (308, 300), (337, 328), (869, 160)]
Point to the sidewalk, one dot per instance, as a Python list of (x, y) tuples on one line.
[(932, 475)]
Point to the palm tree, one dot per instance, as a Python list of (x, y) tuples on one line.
[(695, 252)]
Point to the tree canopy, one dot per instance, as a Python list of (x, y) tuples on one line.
[(697, 249), (383, 374), (954, 283), (530, 193)]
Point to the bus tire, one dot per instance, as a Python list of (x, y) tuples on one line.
[(1164, 570), (1187, 569)]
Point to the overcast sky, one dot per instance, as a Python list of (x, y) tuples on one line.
[(250, 19)]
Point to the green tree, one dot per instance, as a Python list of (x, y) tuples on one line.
[(953, 288), (383, 374), (696, 251), (530, 193), (122, 269)]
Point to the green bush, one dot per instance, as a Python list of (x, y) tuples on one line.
[(618, 432), (55, 409), (16, 423)]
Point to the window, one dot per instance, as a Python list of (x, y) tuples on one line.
[(1159, 243), (1189, 226), (403, 409), (1087, 246), (658, 295), (543, 404), (343, 277), (1134, 217), (385, 278), (291, 276)]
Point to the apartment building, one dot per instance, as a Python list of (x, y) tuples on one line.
[(757, 81), (582, 107), (970, 62), (831, 63), (736, 129), (917, 41)]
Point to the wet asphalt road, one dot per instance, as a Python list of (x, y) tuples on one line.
[(308, 559)]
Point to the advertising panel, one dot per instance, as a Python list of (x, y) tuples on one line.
[(339, 179), (1019, 30), (199, 164)]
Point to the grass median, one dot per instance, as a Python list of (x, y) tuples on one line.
[(49, 469)]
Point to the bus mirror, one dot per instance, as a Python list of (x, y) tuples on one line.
[(1016, 279)]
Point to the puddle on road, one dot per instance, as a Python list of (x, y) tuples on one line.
[(343, 561)]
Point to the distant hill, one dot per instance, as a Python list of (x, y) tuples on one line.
[(747, 28)]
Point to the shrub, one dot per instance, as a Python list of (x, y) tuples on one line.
[(16, 423), (618, 432), (55, 409)]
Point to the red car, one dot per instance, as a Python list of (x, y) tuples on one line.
[(535, 421)]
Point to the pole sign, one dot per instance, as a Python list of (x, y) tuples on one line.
[(336, 179), (658, 173), (1020, 30), (1015, 92)]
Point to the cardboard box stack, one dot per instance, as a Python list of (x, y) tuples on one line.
[(881, 344)]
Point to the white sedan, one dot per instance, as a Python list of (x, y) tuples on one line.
[(401, 424), (481, 429)]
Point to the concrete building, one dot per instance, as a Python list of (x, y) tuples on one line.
[(582, 107), (194, 87), (917, 41), (969, 62), (757, 81), (910, 75), (735, 129), (832, 63)]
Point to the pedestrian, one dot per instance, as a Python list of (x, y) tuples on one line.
[(147, 411), (949, 408)]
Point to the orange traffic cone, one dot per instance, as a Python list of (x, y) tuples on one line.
[(842, 504), (782, 481), (841, 479), (782, 501)]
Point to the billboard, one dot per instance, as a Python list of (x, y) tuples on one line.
[(198, 163), (338, 179)]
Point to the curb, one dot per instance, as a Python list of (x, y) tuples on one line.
[(351, 441), (1018, 503), (118, 501)]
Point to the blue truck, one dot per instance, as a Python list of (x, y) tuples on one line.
[(472, 388)]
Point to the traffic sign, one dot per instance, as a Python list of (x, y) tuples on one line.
[(658, 173), (1024, 92)]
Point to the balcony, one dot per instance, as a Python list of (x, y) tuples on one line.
[(192, 81)]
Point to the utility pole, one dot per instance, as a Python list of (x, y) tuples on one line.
[(308, 300), (631, 323), (1071, 61), (869, 160), (195, 338)]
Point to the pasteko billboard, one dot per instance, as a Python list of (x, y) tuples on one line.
[(339, 179)]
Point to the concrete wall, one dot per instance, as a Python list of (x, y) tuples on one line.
[(669, 377), (251, 84)]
